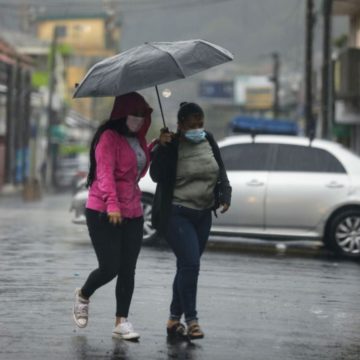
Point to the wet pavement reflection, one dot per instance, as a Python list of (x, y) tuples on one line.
[(251, 305)]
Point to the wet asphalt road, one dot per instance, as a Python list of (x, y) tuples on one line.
[(251, 305)]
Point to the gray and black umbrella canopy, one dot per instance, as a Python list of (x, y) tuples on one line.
[(148, 65)]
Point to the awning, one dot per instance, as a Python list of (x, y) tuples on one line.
[(76, 120), (10, 55), (346, 7), (6, 59)]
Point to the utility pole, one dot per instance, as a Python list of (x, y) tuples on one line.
[(309, 115), (24, 16), (50, 160), (275, 79), (10, 124), (327, 87)]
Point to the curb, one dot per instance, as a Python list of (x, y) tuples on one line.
[(244, 245), (11, 190)]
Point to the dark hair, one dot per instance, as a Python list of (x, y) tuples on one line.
[(118, 125), (187, 109)]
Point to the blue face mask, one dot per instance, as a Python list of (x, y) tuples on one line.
[(196, 135)]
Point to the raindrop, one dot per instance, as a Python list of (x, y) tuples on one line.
[(166, 93), (281, 247)]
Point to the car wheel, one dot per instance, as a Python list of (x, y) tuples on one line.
[(344, 234), (150, 234)]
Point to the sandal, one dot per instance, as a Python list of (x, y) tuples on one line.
[(176, 330), (194, 331)]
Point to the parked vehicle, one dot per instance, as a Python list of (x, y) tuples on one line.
[(70, 170), (284, 187)]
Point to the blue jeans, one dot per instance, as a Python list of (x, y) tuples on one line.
[(187, 236)]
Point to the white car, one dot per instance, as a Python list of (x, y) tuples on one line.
[(284, 187)]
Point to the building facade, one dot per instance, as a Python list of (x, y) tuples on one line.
[(88, 39), (15, 109), (347, 73)]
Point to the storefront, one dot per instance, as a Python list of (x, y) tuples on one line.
[(347, 74), (15, 92)]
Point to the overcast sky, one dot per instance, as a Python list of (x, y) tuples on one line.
[(250, 29)]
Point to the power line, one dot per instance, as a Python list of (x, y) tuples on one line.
[(162, 3), (117, 7)]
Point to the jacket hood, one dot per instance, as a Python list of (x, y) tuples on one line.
[(131, 104)]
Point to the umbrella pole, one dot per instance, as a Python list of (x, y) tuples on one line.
[(161, 109)]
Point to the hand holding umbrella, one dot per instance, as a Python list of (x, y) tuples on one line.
[(165, 136)]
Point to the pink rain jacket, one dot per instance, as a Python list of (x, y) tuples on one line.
[(115, 187)]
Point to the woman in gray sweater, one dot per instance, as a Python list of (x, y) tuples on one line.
[(191, 183)]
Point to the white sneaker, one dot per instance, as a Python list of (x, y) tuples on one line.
[(80, 310), (125, 331)]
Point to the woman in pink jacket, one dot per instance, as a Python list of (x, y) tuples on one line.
[(119, 157)]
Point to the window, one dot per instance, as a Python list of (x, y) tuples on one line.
[(246, 157), (78, 61), (306, 159), (79, 28), (61, 30)]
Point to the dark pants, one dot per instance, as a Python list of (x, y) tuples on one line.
[(117, 248), (187, 235)]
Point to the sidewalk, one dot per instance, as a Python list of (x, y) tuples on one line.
[(11, 190), (31, 191)]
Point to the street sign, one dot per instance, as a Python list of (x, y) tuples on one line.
[(222, 90)]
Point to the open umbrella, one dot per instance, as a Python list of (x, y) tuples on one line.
[(150, 64)]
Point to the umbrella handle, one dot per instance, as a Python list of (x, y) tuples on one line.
[(161, 108)]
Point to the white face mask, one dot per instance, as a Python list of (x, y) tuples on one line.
[(134, 123)]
